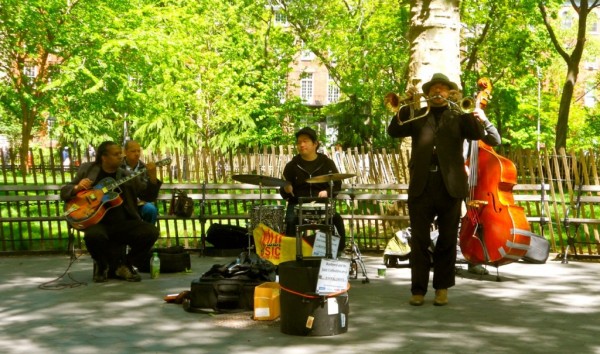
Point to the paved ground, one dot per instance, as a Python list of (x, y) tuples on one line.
[(549, 308)]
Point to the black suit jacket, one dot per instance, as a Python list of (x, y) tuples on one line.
[(447, 140)]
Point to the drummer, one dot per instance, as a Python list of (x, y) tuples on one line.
[(308, 164)]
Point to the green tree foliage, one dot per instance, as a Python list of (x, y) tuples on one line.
[(363, 45), (213, 73), (503, 40), (36, 37), (571, 49), (189, 73)]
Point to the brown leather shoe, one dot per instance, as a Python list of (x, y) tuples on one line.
[(417, 300), (441, 297), (128, 273)]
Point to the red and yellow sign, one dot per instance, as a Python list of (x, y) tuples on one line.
[(276, 247)]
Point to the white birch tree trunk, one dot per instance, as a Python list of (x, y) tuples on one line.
[(434, 37)]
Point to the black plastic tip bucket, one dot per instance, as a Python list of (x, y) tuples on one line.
[(302, 312)]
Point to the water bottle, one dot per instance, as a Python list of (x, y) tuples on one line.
[(154, 266)]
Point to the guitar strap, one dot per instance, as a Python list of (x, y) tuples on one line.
[(93, 173), (95, 170)]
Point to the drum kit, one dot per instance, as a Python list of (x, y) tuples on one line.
[(273, 215), (270, 215)]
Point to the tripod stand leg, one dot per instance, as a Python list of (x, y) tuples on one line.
[(353, 269), (356, 261), (355, 256)]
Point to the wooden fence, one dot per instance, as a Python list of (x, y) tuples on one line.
[(564, 172)]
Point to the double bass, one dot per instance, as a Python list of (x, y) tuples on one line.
[(494, 230)]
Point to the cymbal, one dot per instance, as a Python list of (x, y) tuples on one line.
[(330, 177), (260, 180)]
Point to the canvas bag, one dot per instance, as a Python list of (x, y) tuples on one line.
[(181, 204)]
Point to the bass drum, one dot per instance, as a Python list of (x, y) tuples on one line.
[(269, 215)]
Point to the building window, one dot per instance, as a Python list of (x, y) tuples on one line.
[(566, 20), (593, 23), (307, 55), (306, 88), (30, 71), (281, 18), (333, 91), (589, 99), (281, 95)]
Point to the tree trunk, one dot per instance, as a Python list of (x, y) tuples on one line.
[(434, 37), (28, 118), (562, 124), (583, 9)]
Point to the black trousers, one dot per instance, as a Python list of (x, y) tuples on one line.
[(103, 241), (435, 201)]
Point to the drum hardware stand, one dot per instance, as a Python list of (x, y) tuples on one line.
[(202, 213), (260, 207), (355, 255), (356, 260), (260, 181)]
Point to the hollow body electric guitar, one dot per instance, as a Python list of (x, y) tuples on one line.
[(88, 207)]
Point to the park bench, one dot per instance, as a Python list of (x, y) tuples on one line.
[(378, 210), (33, 218), (380, 207), (535, 200), (583, 217), (220, 203), (34, 212)]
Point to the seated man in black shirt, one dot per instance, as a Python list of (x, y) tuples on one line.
[(132, 162), (307, 164), (121, 224)]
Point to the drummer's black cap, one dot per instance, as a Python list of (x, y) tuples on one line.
[(307, 131)]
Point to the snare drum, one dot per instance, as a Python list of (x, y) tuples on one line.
[(313, 212), (270, 215)]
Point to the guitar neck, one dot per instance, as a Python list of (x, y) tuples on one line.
[(134, 174)]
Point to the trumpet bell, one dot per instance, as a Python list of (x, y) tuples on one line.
[(467, 105), (395, 103), (392, 102)]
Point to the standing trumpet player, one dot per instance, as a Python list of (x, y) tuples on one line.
[(438, 182)]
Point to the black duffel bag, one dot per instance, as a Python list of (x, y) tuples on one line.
[(173, 259), (228, 236), (230, 287), (221, 295)]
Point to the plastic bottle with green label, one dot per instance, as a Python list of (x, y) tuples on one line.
[(154, 266)]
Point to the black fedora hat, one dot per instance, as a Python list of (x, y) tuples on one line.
[(439, 78)]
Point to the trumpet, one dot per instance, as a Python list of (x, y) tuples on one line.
[(395, 103)]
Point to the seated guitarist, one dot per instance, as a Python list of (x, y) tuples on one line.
[(121, 224), (132, 162)]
